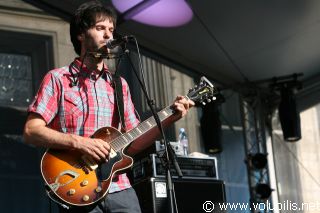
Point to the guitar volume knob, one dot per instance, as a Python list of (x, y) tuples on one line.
[(85, 198), (71, 191), (98, 189), (84, 183)]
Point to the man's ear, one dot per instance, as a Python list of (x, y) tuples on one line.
[(81, 37)]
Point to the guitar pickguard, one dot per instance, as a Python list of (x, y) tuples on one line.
[(104, 170)]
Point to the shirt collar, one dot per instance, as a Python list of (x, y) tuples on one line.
[(77, 65)]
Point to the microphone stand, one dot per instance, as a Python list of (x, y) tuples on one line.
[(169, 153)]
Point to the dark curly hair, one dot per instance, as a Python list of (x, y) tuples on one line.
[(85, 17)]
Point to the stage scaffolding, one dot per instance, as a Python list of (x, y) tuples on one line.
[(255, 113)]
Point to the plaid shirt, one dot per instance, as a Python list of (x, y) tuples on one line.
[(83, 108)]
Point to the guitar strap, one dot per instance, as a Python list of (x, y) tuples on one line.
[(119, 98)]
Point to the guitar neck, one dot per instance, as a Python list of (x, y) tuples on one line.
[(122, 141), (199, 94)]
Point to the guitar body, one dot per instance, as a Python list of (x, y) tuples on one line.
[(76, 180)]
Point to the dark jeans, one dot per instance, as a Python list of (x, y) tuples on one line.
[(125, 201)]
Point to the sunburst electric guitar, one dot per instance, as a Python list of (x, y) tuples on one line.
[(73, 179)]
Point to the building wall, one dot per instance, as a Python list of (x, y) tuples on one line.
[(309, 157), (16, 15), (297, 163), (20, 177)]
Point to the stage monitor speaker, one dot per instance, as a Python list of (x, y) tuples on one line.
[(191, 194)]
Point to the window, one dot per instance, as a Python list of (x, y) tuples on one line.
[(24, 59), (15, 80)]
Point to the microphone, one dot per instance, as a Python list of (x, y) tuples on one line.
[(112, 43)]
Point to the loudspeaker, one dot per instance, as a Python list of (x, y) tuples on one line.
[(211, 130), (191, 194), (289, 116)]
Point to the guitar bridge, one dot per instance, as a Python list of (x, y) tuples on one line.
[(112, 153), (90, 163)]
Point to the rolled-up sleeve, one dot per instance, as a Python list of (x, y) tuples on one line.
[(46, 101)]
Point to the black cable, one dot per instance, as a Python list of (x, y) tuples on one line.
[(170, 155), (297, 159), (50, 206), (75, 77), (140, 64), (220, 45)]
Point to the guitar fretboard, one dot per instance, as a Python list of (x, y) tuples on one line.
[(120, 142)]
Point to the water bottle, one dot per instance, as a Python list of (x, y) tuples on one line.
[(183, 139)]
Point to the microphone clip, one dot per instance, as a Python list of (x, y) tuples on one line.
[(121, 40)]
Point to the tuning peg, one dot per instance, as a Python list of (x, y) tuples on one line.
[(203, 103), (209, 100), (214, 98)]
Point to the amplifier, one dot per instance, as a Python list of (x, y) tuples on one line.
[(191, 194), (191, 167)]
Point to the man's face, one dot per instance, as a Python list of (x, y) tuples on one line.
[(98, 35)]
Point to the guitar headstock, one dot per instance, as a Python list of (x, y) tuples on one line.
[(203, 93)]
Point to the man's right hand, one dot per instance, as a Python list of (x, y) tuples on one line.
[(37, 133), (96, 148)]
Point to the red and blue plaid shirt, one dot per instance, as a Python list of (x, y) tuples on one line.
[(84, 107)]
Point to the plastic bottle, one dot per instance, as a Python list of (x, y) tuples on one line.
[(183, 139)]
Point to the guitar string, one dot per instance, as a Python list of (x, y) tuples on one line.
[(118, 143)]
